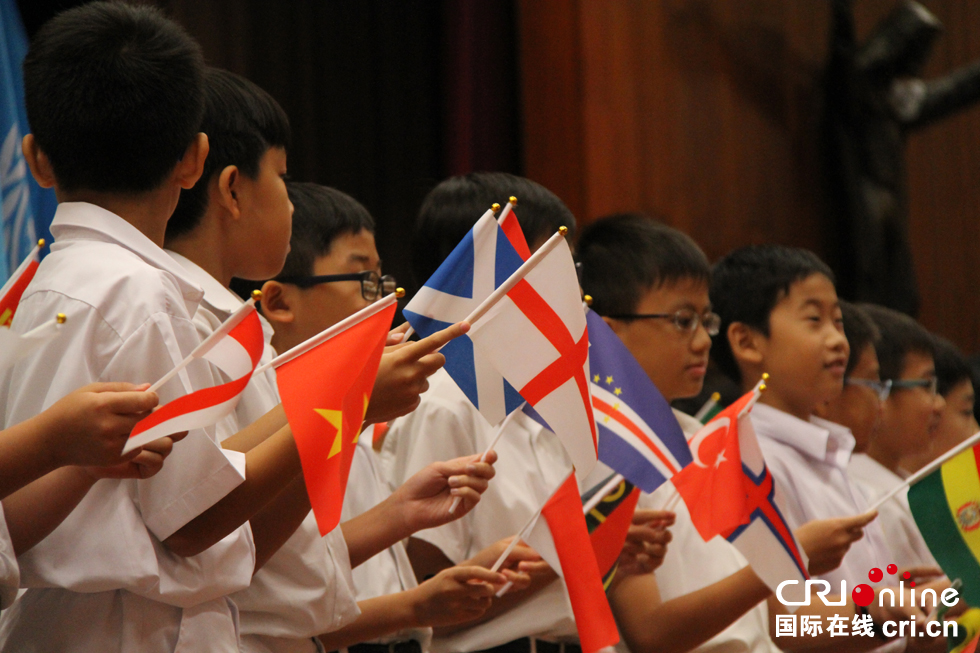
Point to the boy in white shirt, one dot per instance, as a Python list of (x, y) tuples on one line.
[(236, 221), (781, 315)]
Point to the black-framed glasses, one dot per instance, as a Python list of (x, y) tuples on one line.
[(880, 388), (931, 384), (685, 320), (373, 285)]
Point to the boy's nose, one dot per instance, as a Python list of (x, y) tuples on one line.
[(701, 340)]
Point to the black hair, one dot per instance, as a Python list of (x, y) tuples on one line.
[(114, 96), (746, 285), (451, 209), (952, 368), (320, 215), (860, 330), (900, 335), (625, 255), (242, 123)]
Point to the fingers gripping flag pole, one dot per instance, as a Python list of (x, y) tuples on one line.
[(235, 348)]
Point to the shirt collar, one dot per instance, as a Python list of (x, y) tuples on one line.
[(818, 438), (84, 221)]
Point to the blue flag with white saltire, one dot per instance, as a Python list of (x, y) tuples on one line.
[(639, 437), (27, 208), (483, 260)]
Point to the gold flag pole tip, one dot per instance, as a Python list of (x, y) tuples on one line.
[(61, 318), (563, 230), (40, 242), (512, 200), (716, 397), (765, 376), (588, 300), (399, 293), (257, 295), (494, 207)]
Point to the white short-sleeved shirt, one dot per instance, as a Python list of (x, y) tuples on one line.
[(9, 571), (305, 589), (902, 536), (692, 564), (103, 580), (531, 465), (390, 571), (809, 460)]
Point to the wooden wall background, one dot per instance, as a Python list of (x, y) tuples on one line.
[(706, 113)]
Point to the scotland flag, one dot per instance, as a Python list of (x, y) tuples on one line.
[(27, 208), (638, 434), (483, 260)]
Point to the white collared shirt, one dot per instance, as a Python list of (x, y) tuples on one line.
[(390, 571), (103, 580), (809, 461), (9, 571), (305, 589), (902, 536), (531, 465)]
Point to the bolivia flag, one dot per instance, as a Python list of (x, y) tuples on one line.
[(946, 507)]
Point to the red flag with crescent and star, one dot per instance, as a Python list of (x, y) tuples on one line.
[(325, 393), (729, 491)]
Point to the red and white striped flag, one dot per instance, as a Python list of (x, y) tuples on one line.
[(235, 348), (13, 290)]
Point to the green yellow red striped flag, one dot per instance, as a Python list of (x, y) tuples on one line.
[(946, 507)]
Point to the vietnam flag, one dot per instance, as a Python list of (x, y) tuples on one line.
[(325, 392), (14, 289)]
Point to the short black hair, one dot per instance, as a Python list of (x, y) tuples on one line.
[(625, 255), (114, 96), (242, 123), (746, 285), (451, 209), (320, 215), (900, 335), (952, 368), (860, 330)]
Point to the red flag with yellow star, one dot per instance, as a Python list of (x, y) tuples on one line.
[(325, 392)]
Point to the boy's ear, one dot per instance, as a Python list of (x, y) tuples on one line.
[(275, 303), (191, 165), (227, 191), (747, 344), (38, 162)]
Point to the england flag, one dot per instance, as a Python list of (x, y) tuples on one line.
[(483, 260)]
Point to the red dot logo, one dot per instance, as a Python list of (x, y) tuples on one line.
[(875, 575), (863, 595), (892, 569)]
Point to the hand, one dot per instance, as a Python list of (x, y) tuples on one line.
[(404, 372), (455, 595), (826, 541), (521, 565), (425, 497), (646, 542), (146, 461), (397, 335), (89, 426)]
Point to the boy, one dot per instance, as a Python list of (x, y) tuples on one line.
[(780, 314), (957, 423), (236, 220), (334, 235), (910, 416)]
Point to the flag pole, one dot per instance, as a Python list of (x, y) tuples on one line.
[(519, 274), (60, 319), (928, 469), (597, 498), (208, 343), (496, 438), (510, 547), (707, 407), (15, 276), (332, 331)]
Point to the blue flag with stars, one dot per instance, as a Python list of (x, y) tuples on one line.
[(639, 437), (483, 260)]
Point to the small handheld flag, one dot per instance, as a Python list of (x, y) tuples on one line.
[(14, 289), (608, 516), (512, 229)]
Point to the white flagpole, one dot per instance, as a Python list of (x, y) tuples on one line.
[(61, 319), (928, 469), (515, 278), (708, 406), (330, 332), (496, 438), (597, 498), (208, 343)]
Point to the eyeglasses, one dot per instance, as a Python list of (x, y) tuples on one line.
[(880, 388), (931, 384), (685, 320), (373, 285)]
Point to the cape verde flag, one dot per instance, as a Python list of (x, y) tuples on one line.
[(483, 260), (639, 436)]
